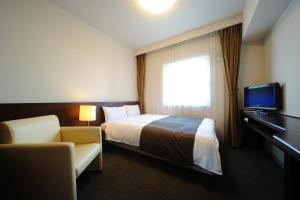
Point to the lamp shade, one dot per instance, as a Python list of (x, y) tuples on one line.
[(87, 113)]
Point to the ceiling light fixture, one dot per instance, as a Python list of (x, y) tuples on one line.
[(156, 6)]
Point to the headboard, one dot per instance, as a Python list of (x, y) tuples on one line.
[(68, 113)]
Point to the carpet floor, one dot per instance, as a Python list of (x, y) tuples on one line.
[(248, 173)]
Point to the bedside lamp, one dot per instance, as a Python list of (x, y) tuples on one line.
[(87, 113)]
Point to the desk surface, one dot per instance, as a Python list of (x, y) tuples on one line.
[(286, 130)]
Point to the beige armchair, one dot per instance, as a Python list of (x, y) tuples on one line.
[(41, 160)]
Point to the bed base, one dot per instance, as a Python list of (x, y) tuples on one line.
[(137, 150)]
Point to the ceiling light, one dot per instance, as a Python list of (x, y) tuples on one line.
[(156, 6)]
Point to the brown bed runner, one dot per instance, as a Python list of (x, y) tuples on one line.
[(171, 138)]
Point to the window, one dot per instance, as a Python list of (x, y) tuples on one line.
[(187, 82)]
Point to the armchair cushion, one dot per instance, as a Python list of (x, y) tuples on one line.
[(84, 155)]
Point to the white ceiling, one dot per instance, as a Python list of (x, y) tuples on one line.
[(126, 22), (260, 16)]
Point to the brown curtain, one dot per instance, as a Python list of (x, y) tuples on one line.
[(231, 40), (141, 65)]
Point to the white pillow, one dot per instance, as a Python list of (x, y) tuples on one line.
[(114, 113), (132, 110)]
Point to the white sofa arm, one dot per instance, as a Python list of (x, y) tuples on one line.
[(37, 171), (81, 135)]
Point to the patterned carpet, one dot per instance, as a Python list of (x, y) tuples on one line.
[(249, 173)]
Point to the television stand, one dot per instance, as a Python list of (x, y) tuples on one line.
[(284, 132)]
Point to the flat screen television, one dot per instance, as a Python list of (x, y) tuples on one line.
[(262, 97)]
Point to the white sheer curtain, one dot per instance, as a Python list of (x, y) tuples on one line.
[(158, 102)]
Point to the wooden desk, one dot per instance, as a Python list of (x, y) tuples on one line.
[(284, 132)]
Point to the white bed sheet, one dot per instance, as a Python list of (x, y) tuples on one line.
[(206, 146)]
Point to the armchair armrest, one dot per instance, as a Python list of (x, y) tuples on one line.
[(38, 171), (81, 135)]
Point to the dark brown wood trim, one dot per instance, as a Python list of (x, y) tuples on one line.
[(68, 113)]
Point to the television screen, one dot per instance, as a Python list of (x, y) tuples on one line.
[(262, 96)]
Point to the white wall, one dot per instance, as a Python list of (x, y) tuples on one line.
[(252, 67), (48, 55), (283, 58)]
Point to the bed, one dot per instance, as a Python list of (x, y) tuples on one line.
[(188, 142)]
